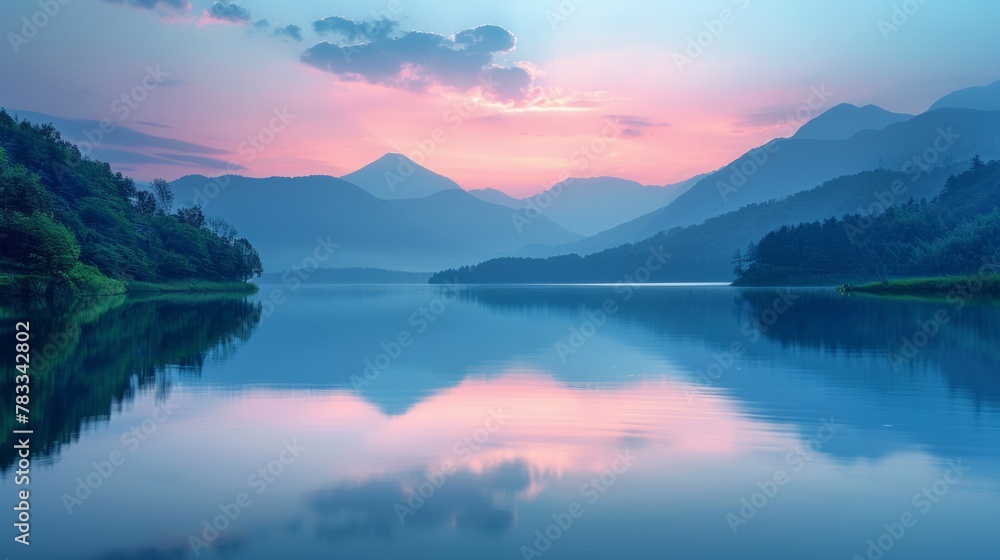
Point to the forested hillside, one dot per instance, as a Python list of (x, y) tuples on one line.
[(705, 252), (67, 221), (956, 233)]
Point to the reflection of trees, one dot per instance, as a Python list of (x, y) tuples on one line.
[(821, 320), (964, 348), (89, 359)]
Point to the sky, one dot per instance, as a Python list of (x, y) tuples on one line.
[(510, 95)]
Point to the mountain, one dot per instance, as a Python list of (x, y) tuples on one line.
[(704, 252), (980, 98), (284, 217), (589, 206), (494, 196), (395, 176), (846, 120), (956, 233), (479, 225), (787, 166)]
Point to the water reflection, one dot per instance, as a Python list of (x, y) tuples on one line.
[(480, 431), (93, 357)]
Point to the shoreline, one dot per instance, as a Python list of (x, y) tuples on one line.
[(971, 286), (23, 287)]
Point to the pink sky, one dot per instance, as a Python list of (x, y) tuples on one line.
[(227, 78)]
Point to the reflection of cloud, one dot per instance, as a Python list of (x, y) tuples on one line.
[(465, 500), (552, 428)]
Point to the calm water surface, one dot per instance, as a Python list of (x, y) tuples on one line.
[(572, 422)]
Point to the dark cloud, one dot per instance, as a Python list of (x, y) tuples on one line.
[(633, 126), (349, 31), (176, 5), (293, 32), (227, 11), (262, 23), (636, 122), (417, 60)]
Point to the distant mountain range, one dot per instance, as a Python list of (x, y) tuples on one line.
[(592, 205), (787, 166), (284, 217), (396, 214)]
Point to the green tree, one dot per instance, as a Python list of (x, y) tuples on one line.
[(145, 203), (51, 248), (164, 196), (249, 265)]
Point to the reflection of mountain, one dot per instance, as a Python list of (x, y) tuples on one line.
[(95, 357), (825, 357)]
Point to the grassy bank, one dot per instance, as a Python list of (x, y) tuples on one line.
[(92, 283), (973, 285), (189, 286)]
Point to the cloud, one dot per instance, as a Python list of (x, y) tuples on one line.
[(178, 6), (293, 32), (228, 12), (636, 122), (416, 61), (633, 126), (350, 31)]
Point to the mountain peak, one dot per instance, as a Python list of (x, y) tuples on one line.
[(979, 98), (845, 120), (394, 176)]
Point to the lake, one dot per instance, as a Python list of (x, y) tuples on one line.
[(688, 422)]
